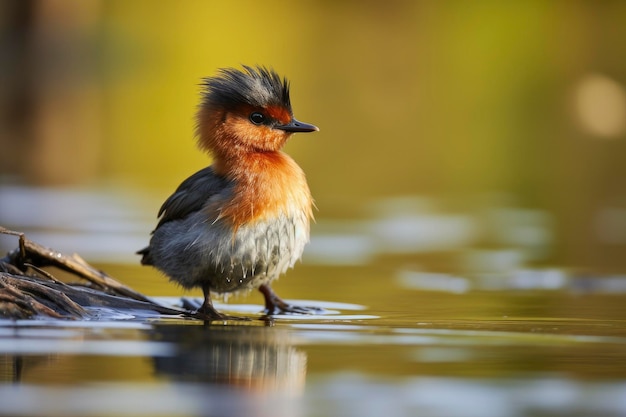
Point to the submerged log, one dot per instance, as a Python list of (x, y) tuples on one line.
[(28, 291)]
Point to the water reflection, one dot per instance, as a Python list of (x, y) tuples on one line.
[(172, 367), (253, 358), (244, 370), (461, 367)]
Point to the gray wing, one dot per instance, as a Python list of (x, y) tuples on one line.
[(191, 195)]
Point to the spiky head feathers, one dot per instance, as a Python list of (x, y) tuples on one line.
[(256, 87)]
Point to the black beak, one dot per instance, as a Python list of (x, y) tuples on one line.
[(296, 126)]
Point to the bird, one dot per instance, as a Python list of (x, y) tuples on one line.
[(240, 223)]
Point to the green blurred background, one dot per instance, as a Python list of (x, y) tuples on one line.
[(466, 103)]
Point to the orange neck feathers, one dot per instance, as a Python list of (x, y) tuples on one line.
[(267, 184)]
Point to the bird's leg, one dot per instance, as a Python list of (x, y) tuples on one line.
[(272, 301), (208, 312), (207, 309), (276, 305)]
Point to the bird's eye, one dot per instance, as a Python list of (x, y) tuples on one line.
[(257, 118)]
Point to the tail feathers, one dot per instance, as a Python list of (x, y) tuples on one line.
[(146, 259)]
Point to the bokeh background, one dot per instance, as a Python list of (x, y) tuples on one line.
[(484, 127)]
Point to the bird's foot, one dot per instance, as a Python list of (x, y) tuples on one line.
[(287, 308), (207, 312), (276, 305)]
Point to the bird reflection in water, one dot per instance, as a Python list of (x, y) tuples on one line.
[(245, 368)]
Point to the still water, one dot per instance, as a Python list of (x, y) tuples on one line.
[(417, 322)]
